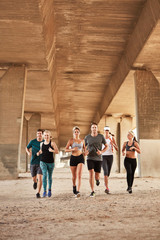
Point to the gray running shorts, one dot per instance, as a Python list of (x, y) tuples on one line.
[(35, 169)]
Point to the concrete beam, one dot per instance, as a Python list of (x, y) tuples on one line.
[(48, 21), (144, 27)]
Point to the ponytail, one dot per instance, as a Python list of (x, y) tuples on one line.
[(134, 139)]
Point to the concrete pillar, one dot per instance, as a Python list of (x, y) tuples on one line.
[(148, 121), (32, 123), (12, 96), (109, 120), (24, 157)]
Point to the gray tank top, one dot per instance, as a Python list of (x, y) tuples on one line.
[(78, 145)]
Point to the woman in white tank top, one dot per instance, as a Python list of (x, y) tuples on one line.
[(108, 156)]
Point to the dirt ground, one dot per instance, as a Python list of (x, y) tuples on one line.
[(116, 216)]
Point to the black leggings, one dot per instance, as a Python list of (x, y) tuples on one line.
[(130, 166)]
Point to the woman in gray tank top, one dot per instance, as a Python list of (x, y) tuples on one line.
[(76, 146)]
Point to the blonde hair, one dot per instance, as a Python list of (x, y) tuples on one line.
[(131, 132), (47, 131), (76, 127)]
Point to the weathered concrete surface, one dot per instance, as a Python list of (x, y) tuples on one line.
[(148, 105), (148, 121), (12, 95), (149, 157)]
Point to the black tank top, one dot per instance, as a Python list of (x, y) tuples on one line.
[(47, 156)]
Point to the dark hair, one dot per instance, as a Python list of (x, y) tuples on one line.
[(39, 130), (134, 139), (111, 134), (93, 123)]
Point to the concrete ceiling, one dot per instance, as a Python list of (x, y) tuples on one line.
[(80, 56)]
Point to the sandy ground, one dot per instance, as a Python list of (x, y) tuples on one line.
[(116, 216)]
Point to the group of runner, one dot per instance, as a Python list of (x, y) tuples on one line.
[(99, 151)]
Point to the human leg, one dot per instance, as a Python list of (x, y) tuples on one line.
[(133, 167), (91, 179), (109, 166), (44, 180), (79, 174), (127, 165), (105, 170), (50, 167), (33, 169), (97, 170), (74, 174), (90, 165), (39, 177)]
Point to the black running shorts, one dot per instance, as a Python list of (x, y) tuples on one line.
[(75, 160), (96, 165)]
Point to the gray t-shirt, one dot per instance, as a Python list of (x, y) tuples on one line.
[(93, 144)]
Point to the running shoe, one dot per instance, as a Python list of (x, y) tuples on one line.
[(45, 194), (107, 190), (38, 195), (92, 194), (97, 182), (49, 193), (34, 185), (77, 194), (130, 190)]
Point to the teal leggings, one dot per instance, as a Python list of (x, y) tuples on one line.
[(47, 168)]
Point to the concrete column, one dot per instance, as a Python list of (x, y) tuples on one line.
[(33, 123), (148, 121), (109, 120), (24, 157), (12, 96)]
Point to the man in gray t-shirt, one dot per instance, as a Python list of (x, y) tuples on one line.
[(93, 143)]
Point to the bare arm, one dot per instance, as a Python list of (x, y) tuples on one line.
[(67, 149), (99, 152), (123, 148), (84, 148), (136, 148), (86, 152), (28, 152), (69, 144), (114, 144), (55, 150), (40, 151)]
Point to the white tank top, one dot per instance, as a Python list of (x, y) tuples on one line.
[(109, 150)]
